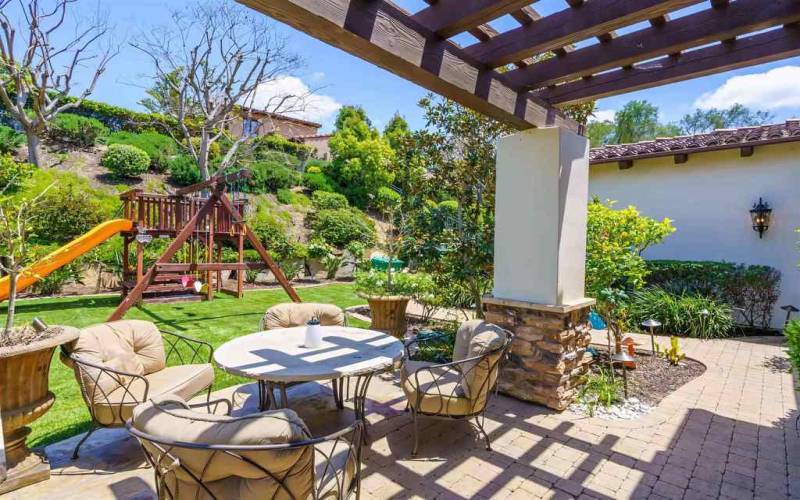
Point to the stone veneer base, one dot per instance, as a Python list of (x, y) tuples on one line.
[(548, 356)]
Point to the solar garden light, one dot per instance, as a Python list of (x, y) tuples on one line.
[(622, 358), (789, 310), (651, 325)]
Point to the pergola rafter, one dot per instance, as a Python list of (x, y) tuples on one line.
[(669, 46)]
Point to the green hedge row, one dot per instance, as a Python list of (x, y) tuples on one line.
[(751, 290)]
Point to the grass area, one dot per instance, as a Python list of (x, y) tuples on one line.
[(215, 322)]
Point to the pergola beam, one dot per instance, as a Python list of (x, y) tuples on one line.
[(450, 17), (569, 26), (380, 32), (704, 27), (756, 49)]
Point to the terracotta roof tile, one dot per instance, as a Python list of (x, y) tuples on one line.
[(718, 139)]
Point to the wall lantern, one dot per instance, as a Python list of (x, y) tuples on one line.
[(760, 214)]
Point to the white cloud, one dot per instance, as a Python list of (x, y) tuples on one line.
[(602, 115), (317, 76), (776, 88), (298, 100)]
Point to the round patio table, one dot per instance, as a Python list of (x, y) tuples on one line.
[(277, 358)]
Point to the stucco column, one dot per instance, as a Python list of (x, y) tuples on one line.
[(539, 262)]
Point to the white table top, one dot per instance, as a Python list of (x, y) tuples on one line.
[(279, 355)]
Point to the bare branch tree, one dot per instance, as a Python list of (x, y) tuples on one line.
[(214, 58), (38, 65)]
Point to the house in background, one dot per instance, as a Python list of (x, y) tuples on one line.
[(256, 122), (707, 185)]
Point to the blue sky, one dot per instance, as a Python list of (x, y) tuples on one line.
[(343, 79)]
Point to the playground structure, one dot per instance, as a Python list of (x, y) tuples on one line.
[(202, 215)]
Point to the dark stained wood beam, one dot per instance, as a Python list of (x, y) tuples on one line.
[(447, 18), (756, 49), (707, 26), (526, 15), (383, 34), (569, 26)]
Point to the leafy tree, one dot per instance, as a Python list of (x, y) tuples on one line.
[(408, 168), (163, 98), (638, 121), (361, 157), (600, 133), (615, 241), (707, 120)]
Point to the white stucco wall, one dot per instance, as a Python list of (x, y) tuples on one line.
[(709, 198)]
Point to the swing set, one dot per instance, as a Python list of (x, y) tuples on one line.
[(202, 216)]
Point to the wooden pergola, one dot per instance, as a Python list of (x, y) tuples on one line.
[(522, 76)]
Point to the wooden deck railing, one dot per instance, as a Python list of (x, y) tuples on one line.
[(167, 214)]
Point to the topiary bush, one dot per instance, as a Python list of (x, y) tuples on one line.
[(339, 227), (751, 290), (159, 147), (126, 161), (77, 129), (325, 200), (686, 314), (319, 182), (13, 173), (10, 140), (183, 170), (269, 177)]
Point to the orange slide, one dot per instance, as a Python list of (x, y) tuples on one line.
[(66, 254)]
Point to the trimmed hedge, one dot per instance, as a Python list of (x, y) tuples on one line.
[(751, 290), (277, 142), (126, 161), (159, 147), (77, 129)]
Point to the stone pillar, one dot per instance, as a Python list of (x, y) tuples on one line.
[(539, 267)]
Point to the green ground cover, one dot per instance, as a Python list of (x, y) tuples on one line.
[(215, 322)]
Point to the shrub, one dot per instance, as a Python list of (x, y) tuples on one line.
[(126, 161), (183, 170), (325, 200), (332, 263), (373, 282), (313, 169), (387, 199), (158, 147), (214, 149), (13, 173), (272, 176), (686, 314), (318, 182), (277, 142), (271, 232), (69, 208), (318, 249), (792, 333), (10, 140), (284, 196), (601, 389), (54, 283), (339, 227), (750, 290), (77, 129)]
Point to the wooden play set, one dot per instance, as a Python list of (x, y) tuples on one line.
[(204, 216)]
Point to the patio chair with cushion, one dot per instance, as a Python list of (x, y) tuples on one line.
[(462, 388), (264, 455), (290, 314), (121, 364)]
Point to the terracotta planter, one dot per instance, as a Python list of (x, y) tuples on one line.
[(388, 314), (24, 397)]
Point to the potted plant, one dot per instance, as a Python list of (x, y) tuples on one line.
[(25, 352), (388, 294)]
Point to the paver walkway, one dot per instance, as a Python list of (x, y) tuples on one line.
[(729, 433)]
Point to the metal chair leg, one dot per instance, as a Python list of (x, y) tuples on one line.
[(93, 428), (416, 432), (479, 423)]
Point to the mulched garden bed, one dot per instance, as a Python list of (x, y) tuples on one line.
[(654, 378)]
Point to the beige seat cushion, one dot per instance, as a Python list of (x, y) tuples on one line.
[(225, 475), (184, 381), (439, 390), (290, 314), (475, 338)]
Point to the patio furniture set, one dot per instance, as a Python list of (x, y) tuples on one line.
[(131, 374)]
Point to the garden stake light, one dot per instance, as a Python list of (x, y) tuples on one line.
[(623, 358), (789, 310), (651, 325)]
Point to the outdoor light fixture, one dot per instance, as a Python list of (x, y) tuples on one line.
[(622, 358), (789, 310), (760, 214), (651, 325)]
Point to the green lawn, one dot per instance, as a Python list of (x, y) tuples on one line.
[(216, 322)]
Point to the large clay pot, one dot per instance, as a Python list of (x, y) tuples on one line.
[(24, 397), (388, 313)]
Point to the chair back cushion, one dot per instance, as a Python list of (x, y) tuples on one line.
[(251, 474), (480, 375), (290, 314), (131, 346)]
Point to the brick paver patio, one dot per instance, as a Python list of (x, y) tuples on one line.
[(729, 433)]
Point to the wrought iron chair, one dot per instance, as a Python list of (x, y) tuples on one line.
[(293, 464), (461, 389), (112, 387)]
